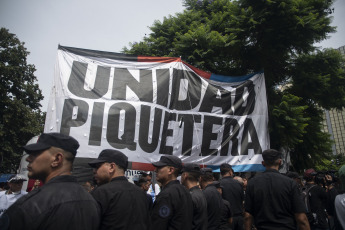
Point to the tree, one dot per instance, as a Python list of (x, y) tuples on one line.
[(21, 117), (244, 36)]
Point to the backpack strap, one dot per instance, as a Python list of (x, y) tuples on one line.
[(306, 198)]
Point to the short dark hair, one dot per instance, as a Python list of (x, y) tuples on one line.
[(272, 162), (68, 155), (206, 177), (176, 171), (271, 157), (225, 168), (193, 176), (142, 181)]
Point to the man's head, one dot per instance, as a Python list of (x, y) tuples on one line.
[(144, 184), (53, 152), (240, 180), (88, 185), (190, 173), (309, 175), (206, 177), (167, 168), (109, 164), (272, 158), (16, 183), (226, 170), (147, 175)]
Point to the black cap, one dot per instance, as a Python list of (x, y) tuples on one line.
[(111, 156), (205, 171), (191, 168), (47, 140), (217, 184), (271, 155), (168, 161)]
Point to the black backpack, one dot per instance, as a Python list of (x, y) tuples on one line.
[(312, 217)]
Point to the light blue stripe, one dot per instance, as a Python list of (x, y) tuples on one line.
[(223, 78), (241, 168)]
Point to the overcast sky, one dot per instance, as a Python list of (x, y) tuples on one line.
[(106, 25)]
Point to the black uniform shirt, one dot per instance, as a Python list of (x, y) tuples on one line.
[(199, 209), (123, 205), (226, 215), (173, 208), (273, 199), (214, 206), (233, 192), (59, 204)]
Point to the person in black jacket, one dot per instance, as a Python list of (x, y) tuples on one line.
[(173, 208), (226, 216), (123, 204), (144, 185), (61, 203), (317, 200), (190, 178), (232, 192), (273, 200), (213, 198)]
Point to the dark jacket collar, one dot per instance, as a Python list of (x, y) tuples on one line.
[(119, 178), (194, 188), (227, 178), (210, 186), (64, 178), (272, 170), (170, 183)]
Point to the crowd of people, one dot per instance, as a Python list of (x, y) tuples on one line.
[(189, 197)]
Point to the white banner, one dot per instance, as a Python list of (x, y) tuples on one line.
[(147, 106)]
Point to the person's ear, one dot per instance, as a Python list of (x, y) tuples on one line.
[(112, 167), (171, 170), (280, 164), (57, 159)]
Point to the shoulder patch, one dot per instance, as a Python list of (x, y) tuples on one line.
[(164, 211)]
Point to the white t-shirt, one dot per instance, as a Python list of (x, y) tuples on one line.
[(339, 204), (6, 200)]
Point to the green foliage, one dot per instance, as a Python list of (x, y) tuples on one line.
[(245, 36), (324, 75), (288, 121), (316, 144), (331, 163), (21, 117)]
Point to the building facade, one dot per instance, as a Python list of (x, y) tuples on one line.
[(334, 123)]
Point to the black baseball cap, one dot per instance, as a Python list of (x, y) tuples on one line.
[(205, 171), (191, 168), (217, 184), (47, 140), (111, 156), (168, 161), (271, 155)]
